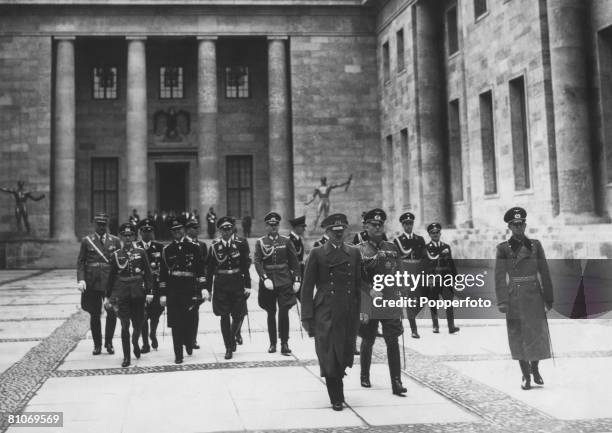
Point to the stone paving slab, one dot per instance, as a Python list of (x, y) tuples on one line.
[(11, 352)]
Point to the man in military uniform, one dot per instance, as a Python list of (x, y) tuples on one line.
[(298, 227), (153, 310), (438, 260), (228, 266), (523, 297), (211, 221), (181, 282), (278, 268), (192, 229), (363, 236), (321, 241), (93, 267), (331, 315), (411, 247), (130, 282), (379, 258), (247, 222)]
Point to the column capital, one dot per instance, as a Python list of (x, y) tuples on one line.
[(64, 38), (277, 37), (207, 38), (135, 38)]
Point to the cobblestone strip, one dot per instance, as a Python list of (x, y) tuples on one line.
[(501, 357), (458, 427), (24, 277), (19, 383), (34, 319), (182, 367), (19, 340)]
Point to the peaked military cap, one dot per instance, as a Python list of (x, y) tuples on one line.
[(299, 221), (225, 222), (175, 223), (515, 214), (434, 227), (375, 215), (272, 217), (101, 217), (337, 221), (408, 216), (192, 223), (127, 229), (146, 224)]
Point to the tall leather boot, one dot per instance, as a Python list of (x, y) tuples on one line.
[(146, 348), (450, 319), (226, 332), (395, 366), (365, 359), (177, 342), (537, 378), (125, 343), (272, 331), (526, 370), (434, 319)]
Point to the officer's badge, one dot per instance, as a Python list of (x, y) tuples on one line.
[(445, 251), (377, 217), (388, 265), (156, 254), (517, 215), (137, 270), (153, 265)]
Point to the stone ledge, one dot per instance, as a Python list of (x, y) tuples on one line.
[(38, 254)]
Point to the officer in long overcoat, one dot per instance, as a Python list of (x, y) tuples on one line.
[(524, 297), (332, 314)]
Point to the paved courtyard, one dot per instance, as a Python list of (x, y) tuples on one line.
[(456, 383)]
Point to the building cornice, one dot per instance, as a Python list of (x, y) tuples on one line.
[(325, 3)]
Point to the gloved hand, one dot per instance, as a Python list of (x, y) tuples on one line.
[(162, 301), (206, 295), (149, 299), (81, 285), (106, 304), (247, 292), (503, 308), (364, 318), (296, 286), (268, 284), (548, 307)]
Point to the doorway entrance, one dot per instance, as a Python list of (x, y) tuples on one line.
[(172, 181)]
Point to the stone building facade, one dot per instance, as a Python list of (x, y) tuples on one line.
[(452, 109)]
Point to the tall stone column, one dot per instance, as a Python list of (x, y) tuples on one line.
[(136, 125), (429, 115), (208, 152), (566, 22), (279, 146), (64, 154)]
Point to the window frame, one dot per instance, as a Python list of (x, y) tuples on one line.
[(115, 70), (229, 69), (181, 79)]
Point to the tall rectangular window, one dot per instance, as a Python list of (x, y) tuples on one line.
[(452, 30), (405, 168), (104, 82), (520, 142), (386, 62), (454, 151), (487, 138), (239, 172), (400, 50), (237, 82), (171, 82), (480, 7), (104, 186)]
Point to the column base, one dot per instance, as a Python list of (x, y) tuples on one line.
[(582, 218)]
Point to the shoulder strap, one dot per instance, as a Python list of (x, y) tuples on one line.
[(96, 249)]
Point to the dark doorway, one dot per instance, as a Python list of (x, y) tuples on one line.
[(172, 186)]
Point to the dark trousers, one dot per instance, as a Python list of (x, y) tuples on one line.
[(434, 294), (528, 367), (283, 325), (230, 328), (335, 389), (195, 322), (182, 335), (154, 319), (393, 353), (95, 324)]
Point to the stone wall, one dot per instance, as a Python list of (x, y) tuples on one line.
[(335, 122), (25, 127)]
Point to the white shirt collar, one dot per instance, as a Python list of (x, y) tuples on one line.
[(409, 235)]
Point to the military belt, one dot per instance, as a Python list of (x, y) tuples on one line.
[(411, 261), (182, 274), (98, 265), (524, 279), (275, 267), (130, 278), (227, 271)]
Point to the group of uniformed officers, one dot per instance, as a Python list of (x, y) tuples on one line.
[(135, 281)]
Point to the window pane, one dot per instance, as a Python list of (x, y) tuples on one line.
[(452, 30)]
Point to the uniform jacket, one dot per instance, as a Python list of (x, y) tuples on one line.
[(181, 269), (298, 244), (439, 259), (276, 258), (411, 252), (519, 289), (330, 301), (381, 259), (364, 237), (130, 274), (231, 257), (153, 250), (203, 249), (93, 267)]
